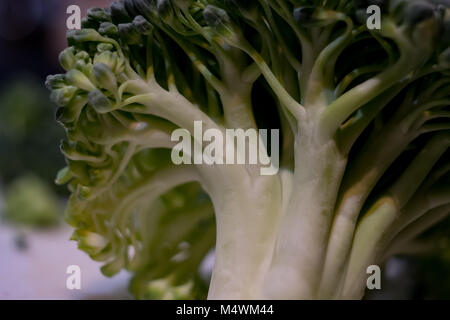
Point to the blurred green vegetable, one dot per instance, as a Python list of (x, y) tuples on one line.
[(29, 201), (27, 131)]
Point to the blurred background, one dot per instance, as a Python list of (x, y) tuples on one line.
[(35, 250)]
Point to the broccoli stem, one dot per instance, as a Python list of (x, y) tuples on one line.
[(306, 223), (247, 214)]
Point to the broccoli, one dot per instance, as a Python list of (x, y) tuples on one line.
[(30, 202), (364, 135)]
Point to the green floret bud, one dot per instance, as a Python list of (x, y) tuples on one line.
[(63, 176), (304, 15), (98, 14), (83, 56), (67, 58), (83, 35), (56, 81), (105, 77), (79, 79), (113, 267), (105, 254), (90, 242), (71, 111), (84, 192), (221, 25), (95, 16), (101, 47), (110, 59), (142, 25), (216, 18), (63, 96), (100, 102), (129, 34), (108, 29)]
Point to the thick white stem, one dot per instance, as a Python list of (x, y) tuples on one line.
[(301, 243), (247, 215)]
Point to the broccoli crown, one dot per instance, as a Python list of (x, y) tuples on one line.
[(141, 68)]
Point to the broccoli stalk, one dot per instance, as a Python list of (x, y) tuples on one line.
[(364, 125)]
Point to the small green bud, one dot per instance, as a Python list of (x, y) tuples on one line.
[(110, 59), (83, 35), (98, 14), (216, 18), (105, 77), (108, 29), (84, 192), (113, 267), (78, 79), (105, 254), (56, 81), (80, 65), (64, 175), (84, 56), (67, 58), (221, 24), (90, 242), (129, 34), (100, 102), (142, 25), (63, 96), (101, 47), (71, 111)]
